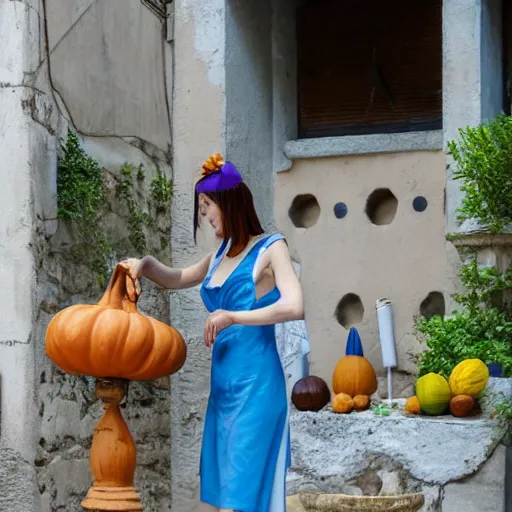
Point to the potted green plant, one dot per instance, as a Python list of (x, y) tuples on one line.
[(481, 328), (483, 164)]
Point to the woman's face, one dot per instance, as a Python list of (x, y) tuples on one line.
[(211, 213)]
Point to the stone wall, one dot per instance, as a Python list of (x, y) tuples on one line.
[(79, 65), (68, 409), (458, 464)]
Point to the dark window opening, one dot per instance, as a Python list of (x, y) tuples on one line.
[(369, 67)]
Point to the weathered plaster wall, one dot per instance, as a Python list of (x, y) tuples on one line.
[(106, 77), (284, 75), (22, 141), (249, 98), (222, 101), (493, 101), (472, 82), (472, 91), (108, 66), (404, 260), (199, 128)]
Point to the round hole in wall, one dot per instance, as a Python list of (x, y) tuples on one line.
[(433, 305), (340, 210), (420, 204), (349, 311), (381, 206), (304, 211)]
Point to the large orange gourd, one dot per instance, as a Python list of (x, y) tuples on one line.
[(354, 375), (112, 339)]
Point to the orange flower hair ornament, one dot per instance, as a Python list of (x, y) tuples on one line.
[(213, 163), (218, 175)]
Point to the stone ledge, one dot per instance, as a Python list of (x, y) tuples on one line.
[(364, 144), (326, 445), (473, 234), (480, 239)]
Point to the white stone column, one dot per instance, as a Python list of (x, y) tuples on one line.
[(222, 101), (17, 264), (19, 145), (199, 128), (249, 89), (472, 76)]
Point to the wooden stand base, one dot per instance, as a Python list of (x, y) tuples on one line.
[(124, 499), (113, 455)]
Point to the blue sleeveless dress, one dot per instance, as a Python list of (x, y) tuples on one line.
[(246, 442)]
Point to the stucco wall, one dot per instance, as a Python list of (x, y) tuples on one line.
[(403, 261), (222, 101), (472, 77), (108, 67), (199, 127), (249, 98), (22, 141), (106, 76)]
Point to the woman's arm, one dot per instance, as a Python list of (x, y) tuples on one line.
[(171, 278), (290, 306)]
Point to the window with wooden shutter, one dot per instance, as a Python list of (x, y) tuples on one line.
[(369, 66)]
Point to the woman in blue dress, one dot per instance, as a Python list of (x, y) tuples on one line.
[(248, 286)]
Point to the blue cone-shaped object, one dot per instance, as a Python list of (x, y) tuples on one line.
[(354, 345)]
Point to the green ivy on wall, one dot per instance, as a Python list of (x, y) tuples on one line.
[(81, 197), (82, 200)]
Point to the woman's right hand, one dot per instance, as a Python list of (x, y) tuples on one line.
[(134, 267), (167, 277)]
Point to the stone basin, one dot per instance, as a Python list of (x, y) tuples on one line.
[(313, 502)]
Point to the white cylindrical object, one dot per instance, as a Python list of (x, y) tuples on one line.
[(390, 387), (387, 338)]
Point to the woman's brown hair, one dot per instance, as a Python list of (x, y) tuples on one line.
[(239, 218)]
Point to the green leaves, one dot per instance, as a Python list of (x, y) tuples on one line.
[(80, 188), (161, 191), (131, 194), (483, 157), (138, 219), (481, 329), (83, 198), (80, 199)]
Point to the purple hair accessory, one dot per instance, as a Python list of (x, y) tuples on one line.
[(223, 179)]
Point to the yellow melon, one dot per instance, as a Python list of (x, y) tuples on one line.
[(433, 393), (469, 378)]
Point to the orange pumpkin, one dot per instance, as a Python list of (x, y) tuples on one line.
[(361, 402), (342, 403), (112, 339), (354, 375), (412, 405)]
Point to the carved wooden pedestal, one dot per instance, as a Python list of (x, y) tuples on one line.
[(113, 455)]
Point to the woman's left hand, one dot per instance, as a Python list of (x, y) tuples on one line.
[(216, 322)]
